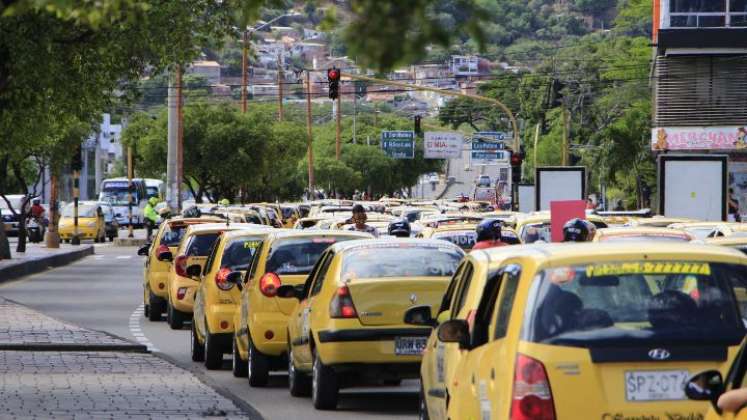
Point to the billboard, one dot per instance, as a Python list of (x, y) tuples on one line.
[(443, 145), (559, 184)]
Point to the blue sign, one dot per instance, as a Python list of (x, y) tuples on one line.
[(492, 135), (488, 153), (398, 144)]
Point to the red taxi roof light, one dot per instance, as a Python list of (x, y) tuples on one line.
[(180, 266), (341, 305), (221, 279), (269, 284), (532, 397)]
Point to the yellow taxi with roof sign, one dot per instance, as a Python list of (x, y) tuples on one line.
[(348, 328), (219, 293), (459, 302), (659, 221), (284, 258), (632, 234), (156, 270), (537, 226), (597, 331), (193, 250), (701, 230)]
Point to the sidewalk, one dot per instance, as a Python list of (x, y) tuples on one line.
[(38, 258), (93, 384)]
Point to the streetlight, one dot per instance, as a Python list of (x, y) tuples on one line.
[(245, 56)]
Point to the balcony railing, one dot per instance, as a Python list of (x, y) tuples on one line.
[(707, 20)]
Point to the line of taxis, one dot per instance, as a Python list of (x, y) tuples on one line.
[(645, 322)]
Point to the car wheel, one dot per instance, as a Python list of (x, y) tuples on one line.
[(198, 351), (239, 367), (111, 238), (258, 366), (146, 310), (156, 309), (213, 352), (422, 405), (175, 318), (324, 386), (299, 384)]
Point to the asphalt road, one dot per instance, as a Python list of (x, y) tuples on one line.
[(103, 292)]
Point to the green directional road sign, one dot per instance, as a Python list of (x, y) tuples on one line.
[(398, 144)]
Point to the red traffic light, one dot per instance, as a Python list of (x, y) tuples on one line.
[(333, 74), (516, 159)]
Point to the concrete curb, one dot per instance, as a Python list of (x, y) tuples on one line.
[(42, 263), (129, 242), (120, 348)]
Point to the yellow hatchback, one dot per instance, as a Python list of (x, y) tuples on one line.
[(348, 329), (261, 321), (91, 223), (600, 331)]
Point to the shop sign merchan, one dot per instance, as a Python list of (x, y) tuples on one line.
[(699, 138)]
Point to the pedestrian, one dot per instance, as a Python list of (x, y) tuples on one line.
[(359, 221), (734, 215), (489, 235), (151, 217)]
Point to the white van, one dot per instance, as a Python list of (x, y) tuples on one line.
[(114, 192)]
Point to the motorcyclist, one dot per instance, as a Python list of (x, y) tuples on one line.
[(150, 216), (224, 202), (489, 234), (37, 210), (578, 230), (399, 228)]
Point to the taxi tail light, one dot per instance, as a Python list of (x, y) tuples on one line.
[(162, 248), (269, 284), (532, 397), (341, 305), (181, 292), (221, 279), (180, 266)]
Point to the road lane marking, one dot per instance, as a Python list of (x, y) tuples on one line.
[(124, 257), (135, 330)]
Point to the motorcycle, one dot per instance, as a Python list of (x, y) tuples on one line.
[(35, 227)]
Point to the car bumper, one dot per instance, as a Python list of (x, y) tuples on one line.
[(264, 323), (187, 303), (158, 280), (220, 316), (366, 345)]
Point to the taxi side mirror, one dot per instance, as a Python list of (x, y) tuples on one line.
[(144, 251), (194, 271), (291, 291), (454, 331), (237, 278), (165, 256), (706, 386), (420, 315)]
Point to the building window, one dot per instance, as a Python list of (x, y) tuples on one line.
[(707, 13)]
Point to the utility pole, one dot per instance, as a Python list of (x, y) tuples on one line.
[(536, 140), (130, 198), (281, 78), (565, 137), (75, 240), (179, 138), (53, 236), (172, 160), (338, 144), (245, 70), (310, 136), (355, 114)]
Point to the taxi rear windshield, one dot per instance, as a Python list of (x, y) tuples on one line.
[(238, 254), (401, 261), (200, 245), (637, 303), (463, 239), (298, 256), (173, 234)]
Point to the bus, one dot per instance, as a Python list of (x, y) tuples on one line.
[(155, 188), (114, 192)]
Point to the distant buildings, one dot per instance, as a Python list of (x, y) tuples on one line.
[(209, 69)]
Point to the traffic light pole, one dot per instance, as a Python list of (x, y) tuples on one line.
[(338, 142), (75, 240), (310, 138)]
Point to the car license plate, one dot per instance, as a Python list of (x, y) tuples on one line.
[(655, 385), (409, 346)]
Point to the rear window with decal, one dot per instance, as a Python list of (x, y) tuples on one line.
[(636, 303), (238, 254), (400, 260), (464, 239), (298, 256)]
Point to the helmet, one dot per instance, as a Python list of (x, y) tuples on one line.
[(192, 212), (400, 228), (153, 201), (578, 230), (36, 201), (489, 230), (224, 202)]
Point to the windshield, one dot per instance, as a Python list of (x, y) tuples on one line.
[(84, 210), (238, 254), (298, 256), (115, 196), (200, 245), (630, 303), (152, 191), (464, 239), (173, 234), (401, 260)]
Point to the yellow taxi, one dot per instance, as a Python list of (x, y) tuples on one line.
[(727, 395), (291, 214), (597, 331), (193, 250), (701, 230), (218, 294), (459, 302), (348, 328), (463, 235), (736, 242), (537, 226), (91, 224), (632, 234), (156, 270), (260, 323), (659, 221)]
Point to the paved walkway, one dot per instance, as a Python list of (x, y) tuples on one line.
[(89, 383)]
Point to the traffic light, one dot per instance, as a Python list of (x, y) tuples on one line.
[(418, 130), (517, 159), (76, 163), (333, 78)]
